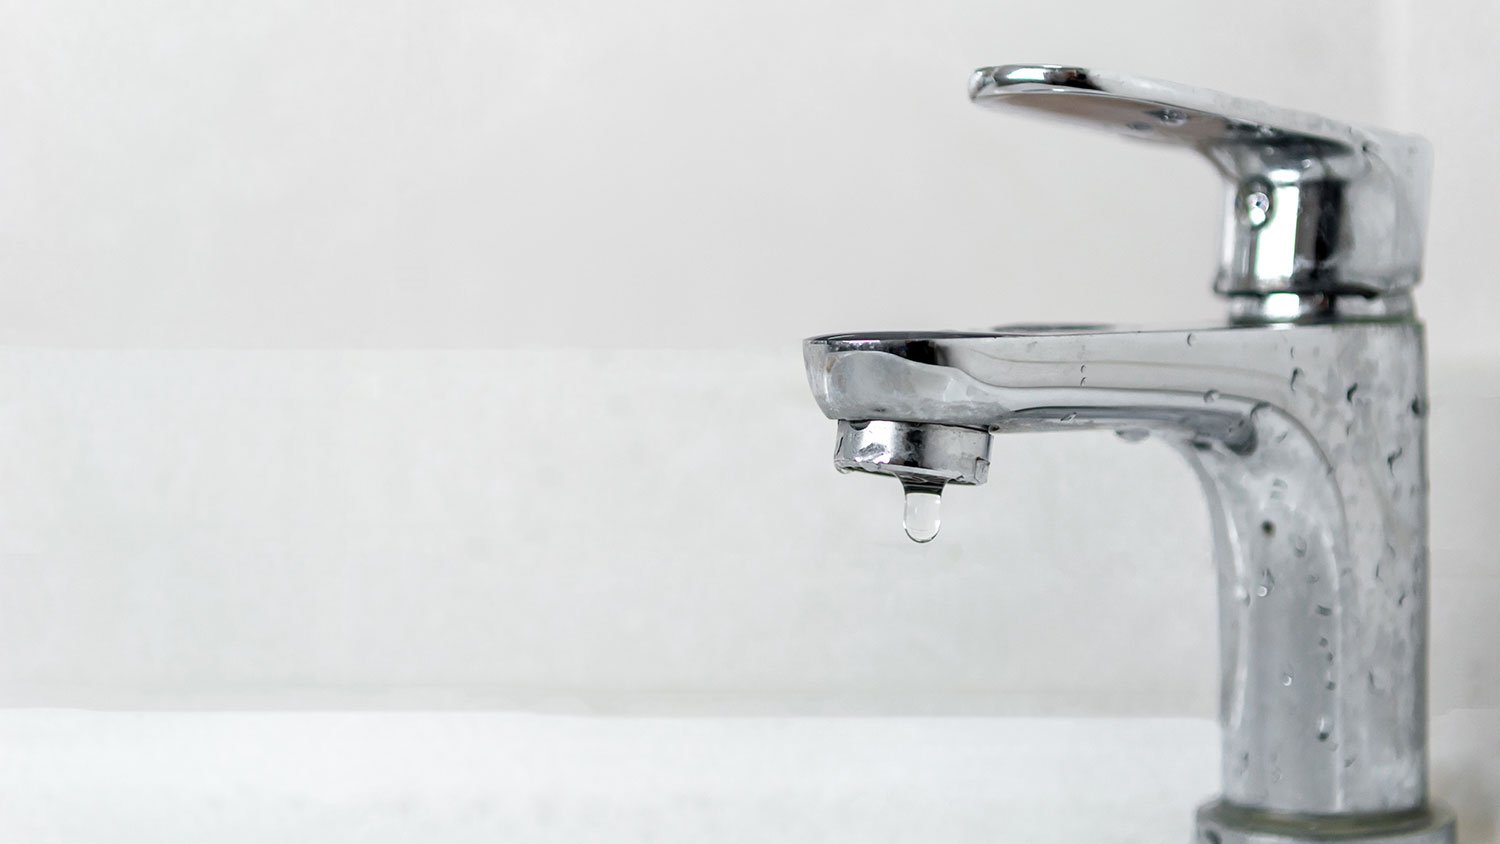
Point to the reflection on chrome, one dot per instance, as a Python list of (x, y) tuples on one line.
[(1303, 415)]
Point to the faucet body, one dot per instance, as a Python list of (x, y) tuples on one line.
[(1303, 416)]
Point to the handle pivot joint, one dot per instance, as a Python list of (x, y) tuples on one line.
[(1312, 205)]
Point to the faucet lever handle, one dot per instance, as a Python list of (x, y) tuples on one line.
[(1313, 206)]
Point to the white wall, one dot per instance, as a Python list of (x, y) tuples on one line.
[(604, 485)]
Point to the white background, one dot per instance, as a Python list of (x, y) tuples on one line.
[(446, 355)]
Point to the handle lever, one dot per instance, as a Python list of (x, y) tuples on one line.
[(1313, 206)]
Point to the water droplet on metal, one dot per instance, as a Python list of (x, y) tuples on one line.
[(1267, 583), (923, 514), (1324, 729), (1299, 546), (1069, 417), (1296, 376), (1190, 339), (1172, 117), (1211, 396), (1255, 205), (1286, 679), (1132, 435)]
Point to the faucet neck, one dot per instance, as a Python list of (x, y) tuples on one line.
[(1279, 308)]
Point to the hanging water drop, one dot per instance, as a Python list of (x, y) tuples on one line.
[(923, 514)]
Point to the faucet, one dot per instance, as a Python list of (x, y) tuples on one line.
[(1302, 414)]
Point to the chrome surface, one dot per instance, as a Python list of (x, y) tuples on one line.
[(1311, 204), (1303, 415), (918, 455)]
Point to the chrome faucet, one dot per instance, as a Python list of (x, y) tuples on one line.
[(1302, 414)]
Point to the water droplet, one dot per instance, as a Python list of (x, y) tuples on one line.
[(1132, 435), (1323, 728), (1069, 417), (1286, 679), (1267, 583), (1349, 396), (1322, 610), (1211, 396), (1268, 528), (1296, 376), (1171, 117), (1299, 546), (1190, 339), (1331, 685), (1323, 642), (1256, 207), (923, 514)]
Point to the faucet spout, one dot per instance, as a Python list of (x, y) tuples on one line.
[(1309, 441)]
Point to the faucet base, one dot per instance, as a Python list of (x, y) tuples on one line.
[(1224, 823)]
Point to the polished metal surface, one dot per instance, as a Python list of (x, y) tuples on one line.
[(918, 455), (1304, 416), (1311, 204), (1220, 822)]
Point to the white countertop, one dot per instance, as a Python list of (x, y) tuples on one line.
[(70, 776)]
